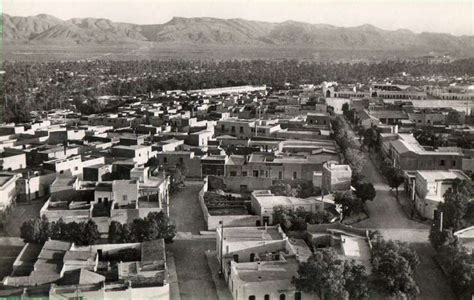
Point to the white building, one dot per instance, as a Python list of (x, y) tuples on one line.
[(430, 187)]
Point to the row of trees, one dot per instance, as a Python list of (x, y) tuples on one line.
[(154, 226), (39, 230), (296, 220), (330, 277), (352, 154), (455, 259)]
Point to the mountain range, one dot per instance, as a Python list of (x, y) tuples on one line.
[(48, 30)]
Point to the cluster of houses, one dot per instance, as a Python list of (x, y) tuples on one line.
[(240, 141)]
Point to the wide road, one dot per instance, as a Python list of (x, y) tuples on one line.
[(194, 276), (387, 216)]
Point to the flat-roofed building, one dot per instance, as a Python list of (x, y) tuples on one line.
[(263, 203), (62, 270), (336, 177), (430, 187), (260, 262), (8, 193)]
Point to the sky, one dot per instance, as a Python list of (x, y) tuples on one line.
[(446, 16)]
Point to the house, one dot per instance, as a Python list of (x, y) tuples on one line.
[(213, 165), (8, 193), (62, 270), (466, 236), (407, 154), (318, 119), (430, 187), (12, 159), (336, 177), (259, 170), (349, 242), (260, 262), (71, 165), (62, 135), (263, 203), (34, 184), (171, 159), (138, 153)]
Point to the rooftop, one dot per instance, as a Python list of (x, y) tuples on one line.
[(435, 175)]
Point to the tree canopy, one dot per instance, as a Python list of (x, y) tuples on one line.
[(330, 277), (154, 226), (40, 230)]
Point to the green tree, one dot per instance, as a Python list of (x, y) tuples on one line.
[(90, 233), (30, 231), (345, 109), (395, 178), (393, 266), (348, 202), (371, 138), (329, 277), (115, 232), (457, 261), (365, 191)]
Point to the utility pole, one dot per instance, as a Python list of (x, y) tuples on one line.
[(441, 222), (222, 246), (28, 183)]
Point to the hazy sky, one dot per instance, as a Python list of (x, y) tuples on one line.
[(450, 16)]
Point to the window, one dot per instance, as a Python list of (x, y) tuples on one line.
[(255, 173), (298, 296), (100, 200), (232, 129), (453, 163), (252, 257), (76, 168), (441, 162), (60, 172), (262, 172), (266, 297), (236, 258), (282, 297), (181, 160), (165, 160), (280, 175), (244, 173), (233, 173), (252, 297), (295, 175), (222, 127), (241, 129), (124, 197)]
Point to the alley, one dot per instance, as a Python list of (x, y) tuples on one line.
[(195, 279)]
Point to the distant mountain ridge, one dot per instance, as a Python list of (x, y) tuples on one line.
[(48, 30)]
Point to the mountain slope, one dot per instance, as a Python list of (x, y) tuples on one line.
[(46, 30)]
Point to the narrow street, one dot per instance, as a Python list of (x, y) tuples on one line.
[(387, 216), (194, 276)]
